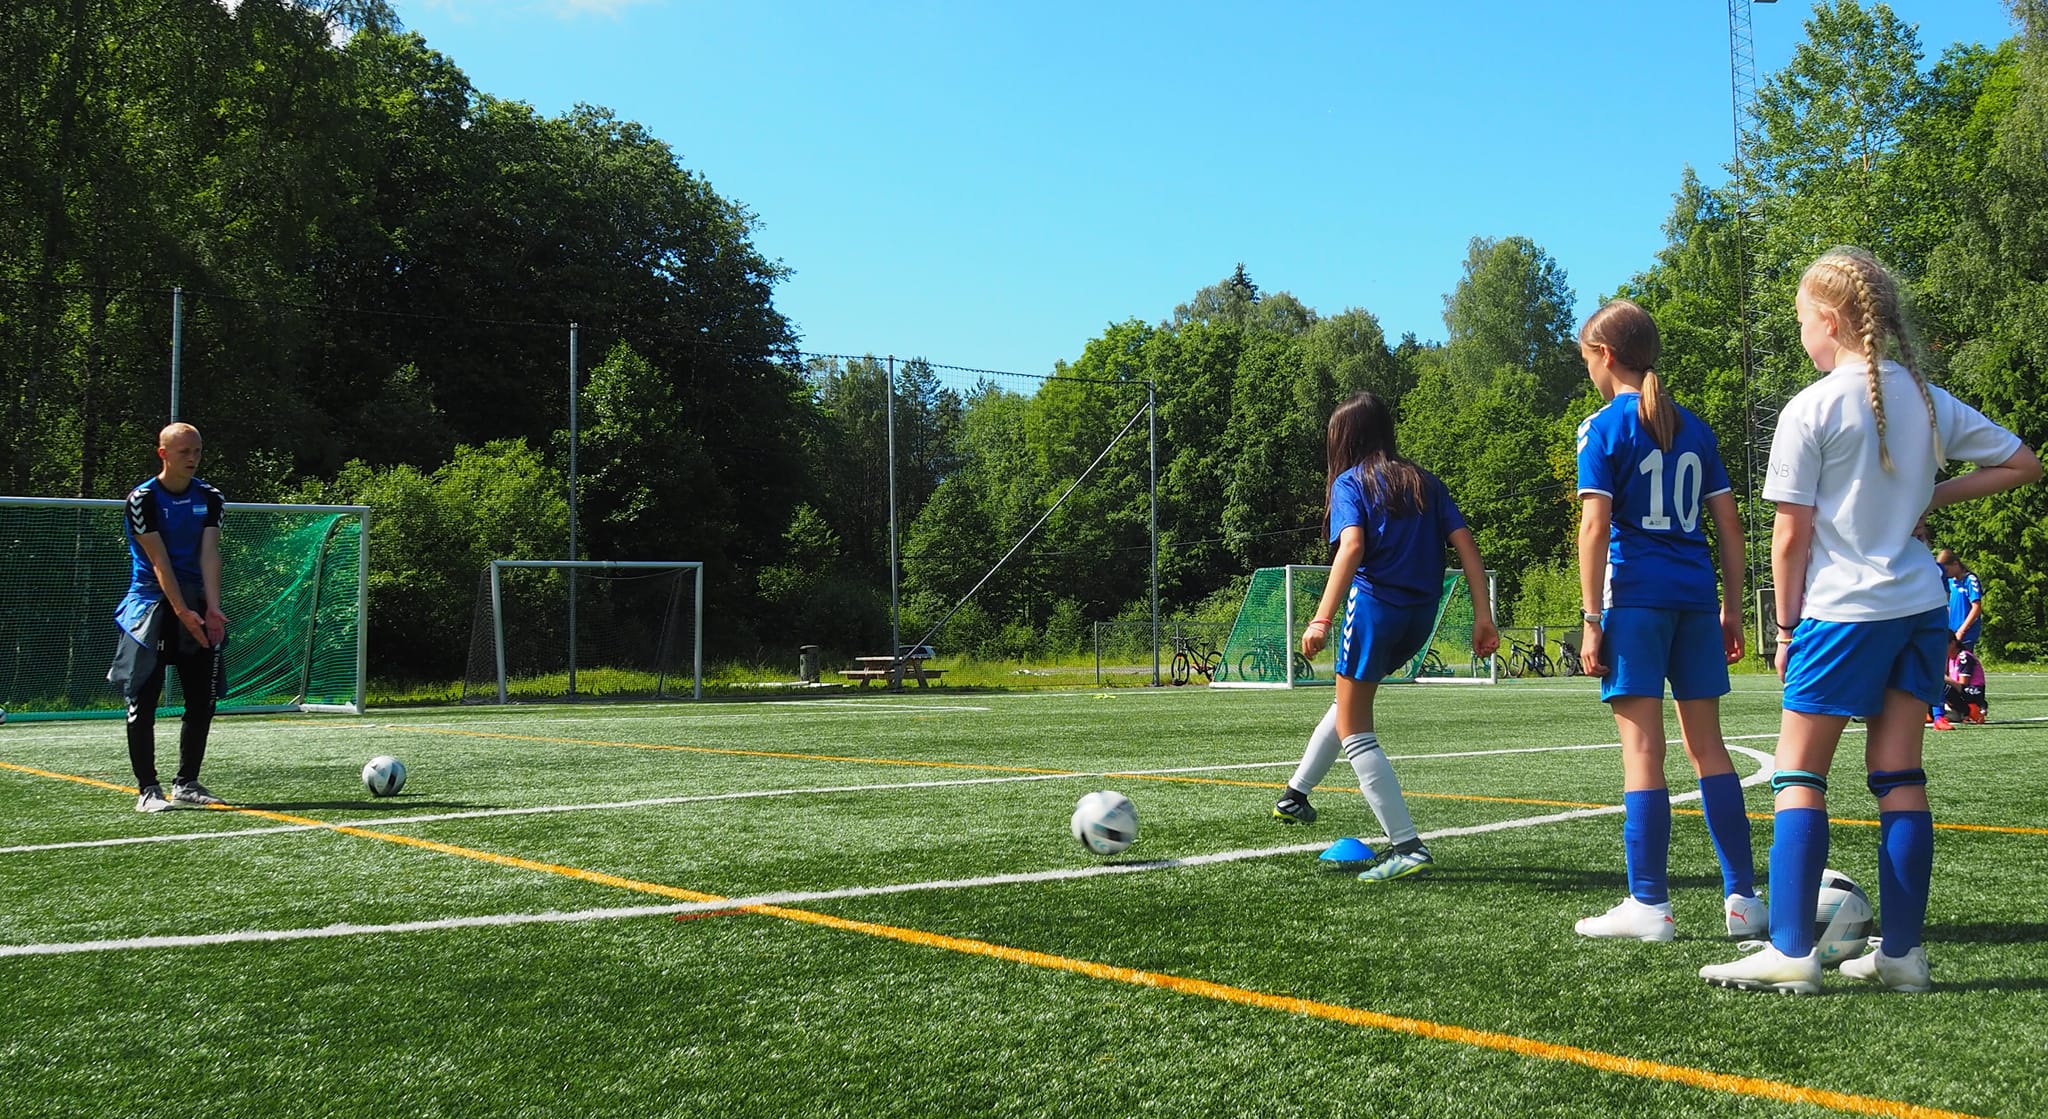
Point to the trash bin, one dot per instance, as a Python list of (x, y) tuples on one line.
[(807, 663)]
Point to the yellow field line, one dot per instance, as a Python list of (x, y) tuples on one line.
[(1201, 988), (1436, 1031), (598, 877), (94, 782)]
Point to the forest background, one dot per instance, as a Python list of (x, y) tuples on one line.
[(377, 264)]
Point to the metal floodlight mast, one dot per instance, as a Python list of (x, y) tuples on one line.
[(1758, 415)]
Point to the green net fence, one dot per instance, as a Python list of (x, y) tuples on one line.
[(291, 589), (1263, 649)]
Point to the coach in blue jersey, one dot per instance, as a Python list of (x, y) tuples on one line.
[(171, 616), (1965, 599)]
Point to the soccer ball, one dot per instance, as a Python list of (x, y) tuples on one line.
[(1105, 822), (1843, 921), (384, 775)]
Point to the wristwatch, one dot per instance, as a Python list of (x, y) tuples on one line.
[(1592, 616)]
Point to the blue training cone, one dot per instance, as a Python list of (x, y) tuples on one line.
[(1346, 852)]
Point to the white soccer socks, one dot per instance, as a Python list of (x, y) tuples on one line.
[(1319, 755), (1382, 790)]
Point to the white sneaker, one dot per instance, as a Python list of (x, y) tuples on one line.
[(1767, 969), (1907, 973), (192, 792), (152, 800), (1631, 920), (1749, 918), (1397, 864)]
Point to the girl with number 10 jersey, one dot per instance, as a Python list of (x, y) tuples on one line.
[(1649, 474)]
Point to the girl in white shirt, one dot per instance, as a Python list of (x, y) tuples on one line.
[(1863, 618)]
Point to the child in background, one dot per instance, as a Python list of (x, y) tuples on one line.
[(1647, 470), (1390, 520), (1862, 615), (1966, 702)]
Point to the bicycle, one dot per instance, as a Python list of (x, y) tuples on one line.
[(1432, 664), (1525, 660), (1190, 658), (1265, 662), (1568, 662)]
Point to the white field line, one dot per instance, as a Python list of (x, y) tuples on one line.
[(796, 897), (328, 722), (656, 802)]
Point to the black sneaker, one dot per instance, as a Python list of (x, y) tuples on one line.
[(1292, 809), (192, 792)]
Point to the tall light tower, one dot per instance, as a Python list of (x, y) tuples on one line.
[(1759, 415)]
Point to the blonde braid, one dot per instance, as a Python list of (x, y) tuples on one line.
[(1897, 325), (1873, 354)]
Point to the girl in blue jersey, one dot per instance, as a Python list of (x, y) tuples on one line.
[(1862, 617), (1390, 520), (1647, 470)]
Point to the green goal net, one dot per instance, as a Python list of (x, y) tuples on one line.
[(293, 579), (1264, 647)]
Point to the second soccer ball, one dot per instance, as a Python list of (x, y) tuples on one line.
[(384, 775), (1105, 822)]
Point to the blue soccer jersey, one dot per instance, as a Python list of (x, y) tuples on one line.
[(1657, 553), (180, 520), (1964, 593), (1404, 556)]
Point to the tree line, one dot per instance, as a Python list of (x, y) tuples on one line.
[(378, 263)]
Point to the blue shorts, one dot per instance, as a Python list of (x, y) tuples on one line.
[(1378, 638), (1844, 668), (1647, 645)]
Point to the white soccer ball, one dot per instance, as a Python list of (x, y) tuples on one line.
[(384, 775), (1105, 822), (1843, 921)]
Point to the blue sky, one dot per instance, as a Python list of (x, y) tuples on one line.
[(989, 185)]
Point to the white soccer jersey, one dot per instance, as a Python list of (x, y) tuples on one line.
[(1864, 564)]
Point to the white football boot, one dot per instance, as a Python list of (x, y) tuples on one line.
[(1907, 973), (1767, 969), (1631, 920), (1748, 917)]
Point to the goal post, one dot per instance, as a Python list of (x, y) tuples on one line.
[(1263, 650), (294, 585), (586, 629)]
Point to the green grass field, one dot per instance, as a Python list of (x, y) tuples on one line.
[(919, 935)]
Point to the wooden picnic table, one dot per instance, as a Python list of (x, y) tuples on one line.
[(892, 670)]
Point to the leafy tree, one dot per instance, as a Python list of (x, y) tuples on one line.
[(1491, 446), (1195, 368), (1512, 309), (647, 489), (1993, 276), (436, 533), (1273, 503)]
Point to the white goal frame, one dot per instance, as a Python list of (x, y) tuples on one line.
[(696, 614)]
